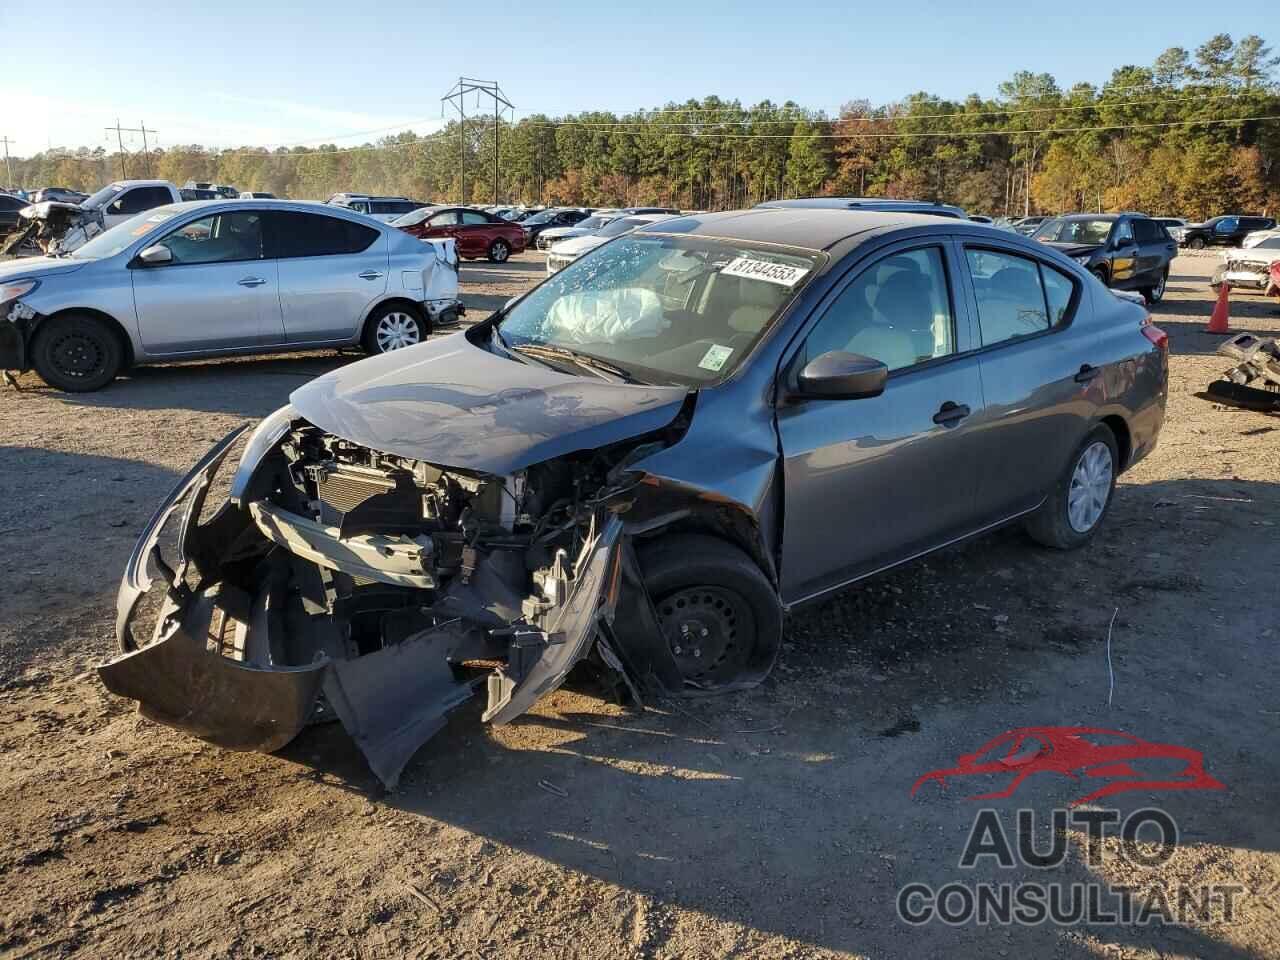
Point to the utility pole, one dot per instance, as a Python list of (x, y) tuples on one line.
[(455, 97), (120, 131), (8, 167)]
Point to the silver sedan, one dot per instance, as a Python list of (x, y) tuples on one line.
[(224, 277)]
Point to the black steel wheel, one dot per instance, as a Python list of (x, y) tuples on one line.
[(76, 353)]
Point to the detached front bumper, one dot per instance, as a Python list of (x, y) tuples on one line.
[(222, 661)]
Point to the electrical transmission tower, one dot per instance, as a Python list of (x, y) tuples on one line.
[(119, 132), (454, 97)]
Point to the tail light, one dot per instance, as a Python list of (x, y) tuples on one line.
[(1155, 335)]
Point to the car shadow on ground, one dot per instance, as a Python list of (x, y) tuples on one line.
[(787, 808)]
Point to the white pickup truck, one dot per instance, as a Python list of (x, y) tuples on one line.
[(54, 226)]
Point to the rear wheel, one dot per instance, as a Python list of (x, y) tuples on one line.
[(1075, 508), (1100, 274), (719, 614), (1196, 243), (1156, 294), (77, 353), (499, 251), (393, 327)]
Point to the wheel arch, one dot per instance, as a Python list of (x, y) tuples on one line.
[(1124, 439), (397, 301), (117, 328)]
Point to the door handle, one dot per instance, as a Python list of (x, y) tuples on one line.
[(370, 275), (1086, 373), (251, 282), (950, 413)]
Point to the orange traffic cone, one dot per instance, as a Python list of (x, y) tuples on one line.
[(1218, 321)]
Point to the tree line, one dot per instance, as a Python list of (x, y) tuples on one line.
[(1192, 134)]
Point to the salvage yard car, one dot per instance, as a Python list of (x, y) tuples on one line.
[(644, 462), (56, 226), (476, 233), (218, 277), (1124, 251), (567, 251), (1225, 231), (1248, 267)]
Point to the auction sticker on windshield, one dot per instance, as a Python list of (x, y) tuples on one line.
[(749, 268), (715, 358)]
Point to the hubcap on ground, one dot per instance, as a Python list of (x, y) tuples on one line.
[(397, 330), (1090, 487), (76, 356), (708, 630)]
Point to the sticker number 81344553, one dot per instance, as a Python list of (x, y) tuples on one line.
[(749, 268)]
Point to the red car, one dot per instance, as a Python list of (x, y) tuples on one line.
[(478, 234)]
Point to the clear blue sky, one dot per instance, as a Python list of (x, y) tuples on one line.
[(239, 72)]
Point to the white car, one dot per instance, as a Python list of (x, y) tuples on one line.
[(1257, 237), (1249, 266), (567, 251), (385, 209), (597, 221)]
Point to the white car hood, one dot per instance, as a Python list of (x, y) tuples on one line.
[(579, 245), (1263, 257), (564, 233)]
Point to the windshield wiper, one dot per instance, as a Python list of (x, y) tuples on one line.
[(545, 351)]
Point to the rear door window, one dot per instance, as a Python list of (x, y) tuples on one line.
[(1010, 294), (316, 235), (141, 198)]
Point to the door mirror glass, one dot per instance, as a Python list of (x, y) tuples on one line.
[(842, 376), (155, 255)]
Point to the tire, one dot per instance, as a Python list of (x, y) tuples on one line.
[(720, 613), (76, 353), (1196, 243), (394, 326), (1057, 523), (1101, 275), (1156, 294), (499, 251)]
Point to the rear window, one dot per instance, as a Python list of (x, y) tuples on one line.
[(316, 235)]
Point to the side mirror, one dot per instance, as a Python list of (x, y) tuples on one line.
[(155, 255), (842, 376)]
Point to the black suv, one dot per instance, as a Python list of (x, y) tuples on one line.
[(1125, 251), (1225, 231), (9, 207)]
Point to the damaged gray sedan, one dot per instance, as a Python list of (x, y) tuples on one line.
[(643, 463)]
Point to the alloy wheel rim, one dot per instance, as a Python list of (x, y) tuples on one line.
[(1090, 487), (1160, 287), (500, 251), (397, 330)]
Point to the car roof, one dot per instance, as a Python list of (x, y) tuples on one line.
[(1109, 217), (812, 228), (300, 206)]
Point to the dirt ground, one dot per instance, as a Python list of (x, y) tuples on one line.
[(772, 823)]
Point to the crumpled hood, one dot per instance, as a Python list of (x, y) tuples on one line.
[(38, 267), (1074, 249), (564, 233), (41, 211), (577, 246), (451, 403)]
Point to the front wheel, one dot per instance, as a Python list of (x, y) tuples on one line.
[(1156, 294), (1100, 274), (719, 613), (499, 251), (393, 327), (76, 353), (1196, 243), (1080, 498)]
